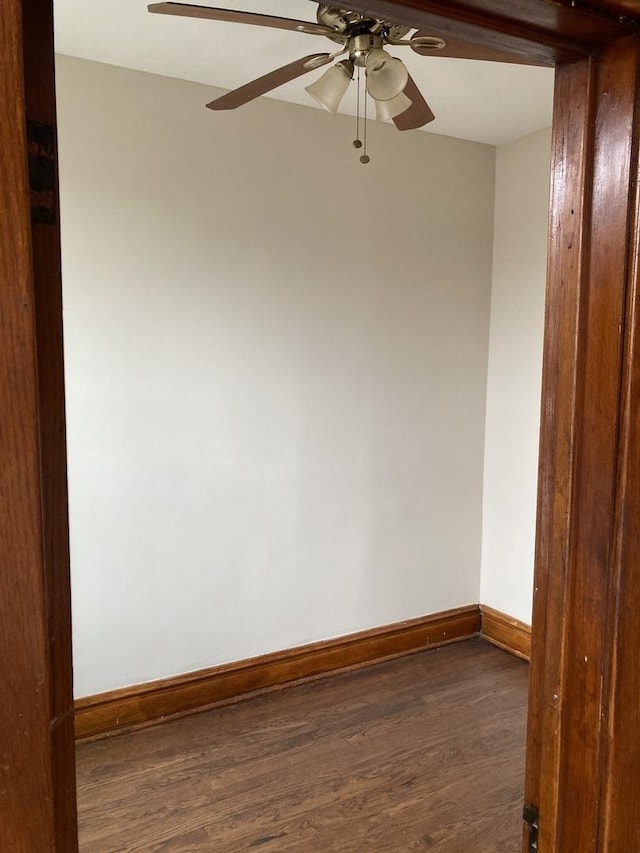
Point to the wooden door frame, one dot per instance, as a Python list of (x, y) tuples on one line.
[(586, 640), (37, 769)]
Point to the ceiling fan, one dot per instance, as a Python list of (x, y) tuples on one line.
[(361, 39)]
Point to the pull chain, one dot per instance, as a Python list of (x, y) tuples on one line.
[(365, 157), (356, 142)]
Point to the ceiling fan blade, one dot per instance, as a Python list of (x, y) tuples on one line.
[(459, 49), (418, 114), (233, 16), (270, 81)]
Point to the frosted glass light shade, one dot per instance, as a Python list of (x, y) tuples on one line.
[(329, 89), (386, 110), (386, 75)]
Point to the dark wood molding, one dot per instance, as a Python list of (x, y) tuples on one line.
[(107, 713), (625, 9), (505, 632), (619, 771), (37, 770), (549, 33), (586, 510), (38, 51)]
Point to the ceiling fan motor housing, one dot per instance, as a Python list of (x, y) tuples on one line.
[(361, 45), (337, 19), (348, 24)]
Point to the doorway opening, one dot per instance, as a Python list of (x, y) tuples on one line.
[(300, 429)]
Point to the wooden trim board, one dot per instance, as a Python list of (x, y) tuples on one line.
[(130, 707), (505, 632)]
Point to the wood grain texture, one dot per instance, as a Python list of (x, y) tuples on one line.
[(26, 783), (422, 753), (37, 796), (591, 217), (548, 33), (38, 51), (458, 49), (614, 88), (504, 631), (556, 483), (184, 694), (619, 827), (628, 9)]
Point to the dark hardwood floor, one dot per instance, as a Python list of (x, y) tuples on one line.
[(421, 753)]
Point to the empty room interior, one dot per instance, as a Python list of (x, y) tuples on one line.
[(303, 407)]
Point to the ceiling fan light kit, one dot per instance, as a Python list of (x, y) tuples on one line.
[(329, 89), (386, 75), (363, 38), (389, 109)]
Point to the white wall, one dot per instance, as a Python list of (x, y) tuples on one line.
[(276, 368), (513, 383)]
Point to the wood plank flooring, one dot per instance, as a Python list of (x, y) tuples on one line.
[(421, 753)]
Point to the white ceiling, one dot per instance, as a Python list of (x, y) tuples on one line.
[(488, 102)]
